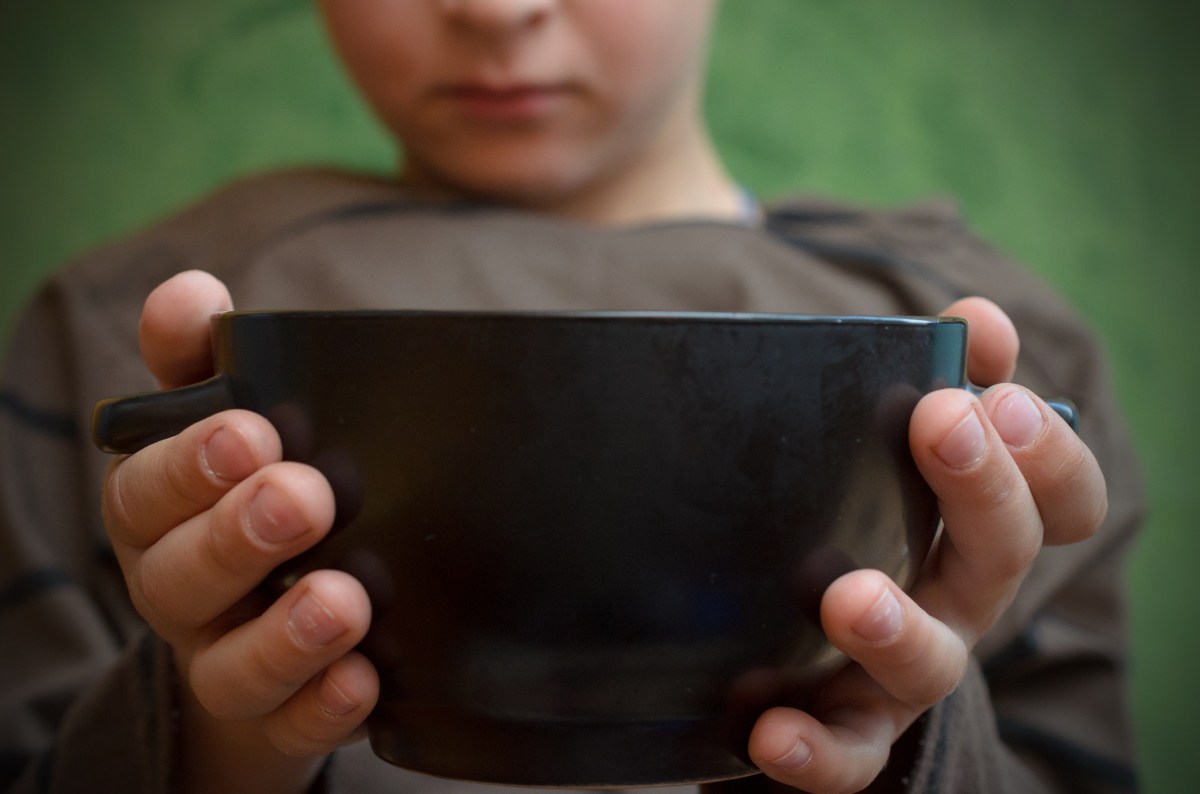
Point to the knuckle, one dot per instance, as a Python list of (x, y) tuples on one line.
[(293, 745), (226, 544), (248, 694), (925, 667), (151, 595), (1012, 561), (156, 487), (113, 505), (935, 681), (1067, 468), (212, 695), (142, 595), (187, 481), (278, 667), (158, 597), (306, 725), (218, 704), (299, 732), (1008, 543), (994, 489), (1065, 478), (128, 517), (1073, 482)]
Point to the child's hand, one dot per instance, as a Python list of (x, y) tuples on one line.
[(1010, 476), (197, 522)]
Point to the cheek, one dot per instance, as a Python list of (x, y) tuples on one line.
[(655, 55), (381, 45)]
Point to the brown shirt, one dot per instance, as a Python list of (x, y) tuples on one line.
[(86, 699)]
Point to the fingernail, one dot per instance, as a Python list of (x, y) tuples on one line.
[(273, 517), (312, 624), (332, 700), (882, 621), (226, 458), (963, 445), (1018, 420), (793, 759)]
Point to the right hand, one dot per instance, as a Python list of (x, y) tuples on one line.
[(197, 522)]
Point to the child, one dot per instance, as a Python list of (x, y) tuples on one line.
[(554, 158)]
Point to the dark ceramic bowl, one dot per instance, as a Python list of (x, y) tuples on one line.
[(595, 544)]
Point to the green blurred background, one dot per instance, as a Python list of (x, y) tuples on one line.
[(1067, 129)]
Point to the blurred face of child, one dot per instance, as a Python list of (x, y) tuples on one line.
[(527, 101)]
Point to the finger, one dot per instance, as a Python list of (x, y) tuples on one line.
[(1063, 476), (210, 562), (174, 332), (992, 341), (147, 494), (917, 659), (993, 530), (258, 666), (328, 711), (842, 751), (905, 662)]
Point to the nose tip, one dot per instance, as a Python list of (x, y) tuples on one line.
[(497, 15)]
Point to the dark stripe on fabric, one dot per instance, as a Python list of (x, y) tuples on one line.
[(1080, 760), (355, 211), (314, 220), (871, 260), (830, 216), (148, 683), (937, 762), (1023, 648), (47, 422), (32, 584)]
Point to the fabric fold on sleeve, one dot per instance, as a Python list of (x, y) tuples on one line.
[(119, 737)]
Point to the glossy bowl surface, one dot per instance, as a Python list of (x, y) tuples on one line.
[(594, 543)]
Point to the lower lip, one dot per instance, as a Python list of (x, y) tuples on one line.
[(507, 106)]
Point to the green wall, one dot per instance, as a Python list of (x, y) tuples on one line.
[(1067, 129)]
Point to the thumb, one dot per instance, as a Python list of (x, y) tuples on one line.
[(992, 343), (174, 332)]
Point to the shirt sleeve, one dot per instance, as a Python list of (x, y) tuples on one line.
[(85, 701), (1044, 706)]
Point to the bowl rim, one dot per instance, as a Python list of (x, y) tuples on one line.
[(589, 315)]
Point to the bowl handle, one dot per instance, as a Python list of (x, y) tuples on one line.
[(127, 424)]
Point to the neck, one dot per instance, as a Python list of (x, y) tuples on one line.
[(677, 176), (680, 177)]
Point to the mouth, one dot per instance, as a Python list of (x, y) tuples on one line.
[(511, 103)]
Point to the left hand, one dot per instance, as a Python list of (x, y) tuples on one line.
[(1010, 475)]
